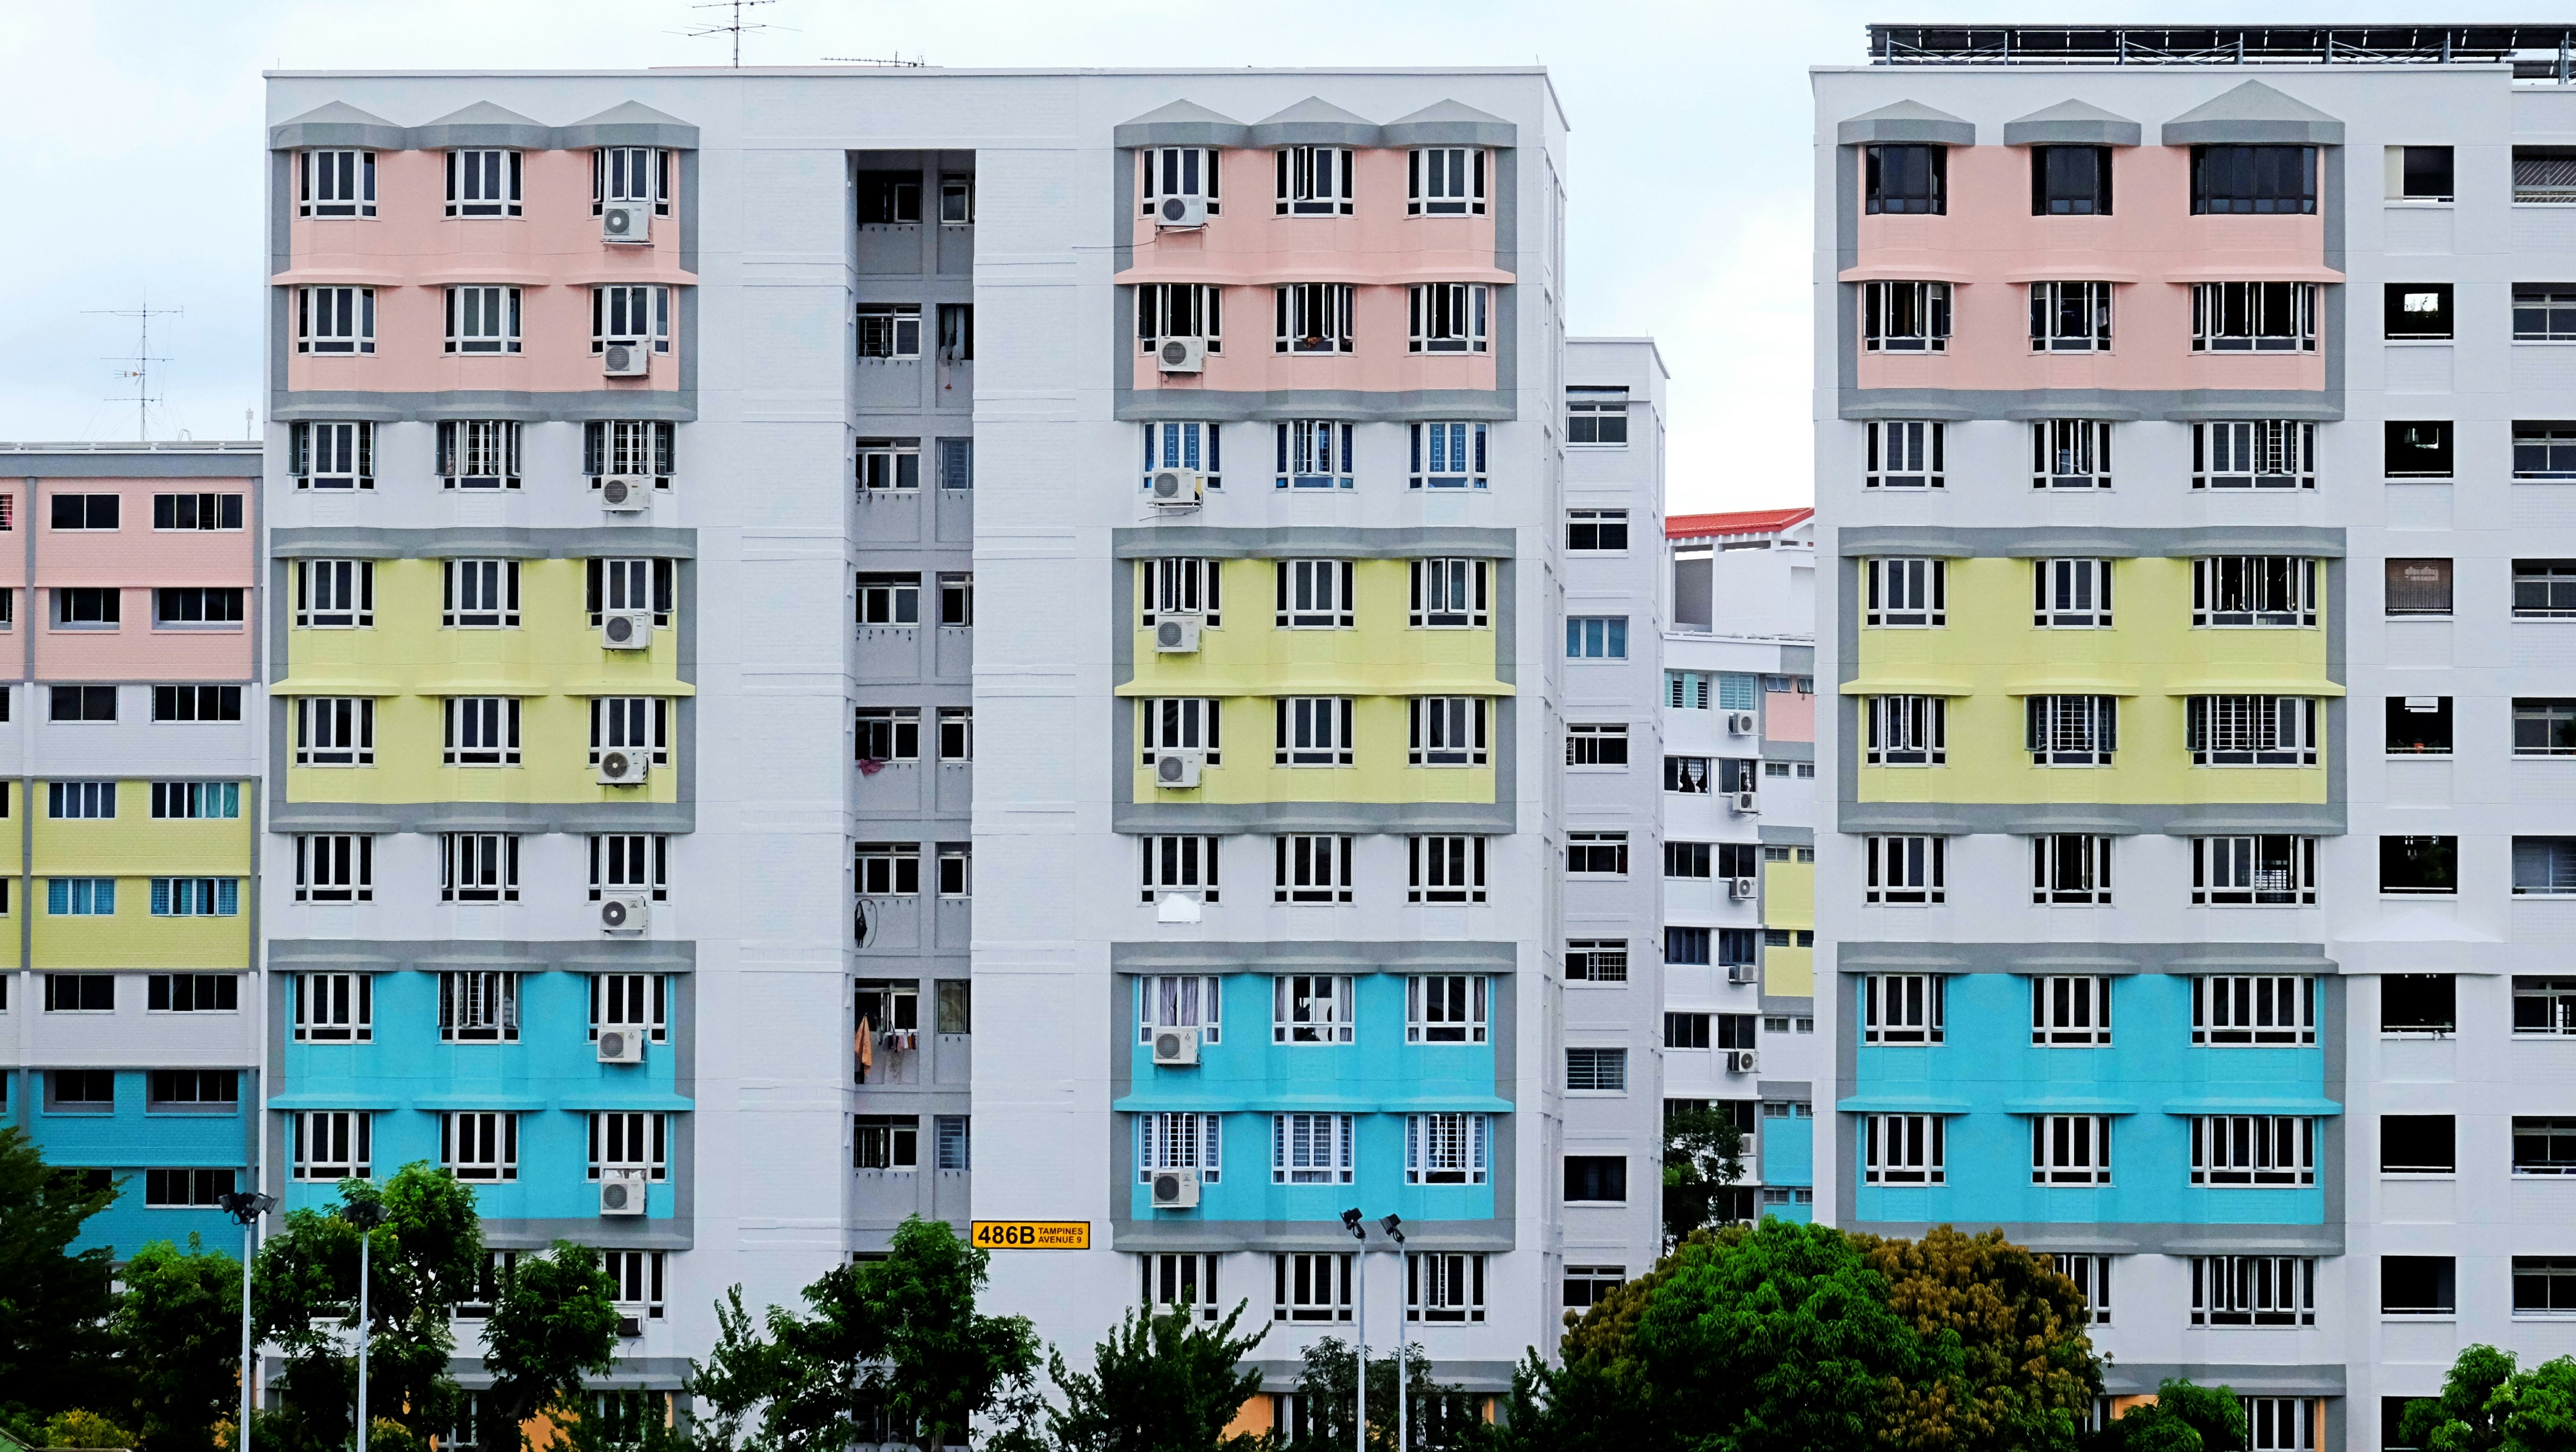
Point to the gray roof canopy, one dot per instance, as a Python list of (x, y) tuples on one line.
[(2073, 123), (1182, 123), (628, 123), (2253, 114), (1317, 122), (1450, 123), (336, 124), (1906, 121), (481, 124)]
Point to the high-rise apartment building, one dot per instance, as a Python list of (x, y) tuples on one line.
[(2192, 474)]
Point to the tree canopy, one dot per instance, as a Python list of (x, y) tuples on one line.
[(1159, 1382), (2006, 1364), (54, 1304), (178, 1331)]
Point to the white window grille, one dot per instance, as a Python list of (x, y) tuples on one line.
[(2269, 870), (2254, 454), (1446, 1149), (1907, 731), (1178, 1142), (630, 862), (889, 330), (1310, 1149), (2254, 590), (632, 723), (1180, 1280), (479, 453), (2252, 730), (2071, 730)]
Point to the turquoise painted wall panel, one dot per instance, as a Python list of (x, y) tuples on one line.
[(1788, 1150)]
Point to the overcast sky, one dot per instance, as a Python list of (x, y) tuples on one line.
[(137, 173)]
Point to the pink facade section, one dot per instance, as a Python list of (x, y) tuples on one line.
[(1789, 715), (410, 252), (134, 559), (2151, 249)]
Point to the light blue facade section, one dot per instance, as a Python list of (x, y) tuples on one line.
[(1787, 1145), (1988, 1079), (132, 1139), (1378, 1078), (550, 1077)]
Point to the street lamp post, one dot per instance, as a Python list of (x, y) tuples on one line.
[(1393, 1225), (246, 1207), (366, 1215), (1359, 1271)]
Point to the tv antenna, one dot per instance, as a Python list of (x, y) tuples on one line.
[(869, 60), (735, 26), (142, 358)]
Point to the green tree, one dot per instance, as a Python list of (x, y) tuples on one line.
[(1703, 1158), (554, 1319), (85, 1429), (54, 1304), (178, 1328), (1437, 1418), (1159, 1383), (2536, 1410), (2462, 1418), (2184, 1417), (2006, 1365), (424, 1258)]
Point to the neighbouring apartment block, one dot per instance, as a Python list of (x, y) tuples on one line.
[(2181, 398)]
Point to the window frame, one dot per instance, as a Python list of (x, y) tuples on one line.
[(2070, 1149), (1307, 449), (2070, 317), (1309, 867), (1904, 453), (1447, 317), (1313, 181), (1444, 181), (1915, 879), (1313, 319), (1445, 867), (2254, 317), (482, 319), (2070, 453), (2210, 863), (1448, 1148), (2070, 1010), (345, 325), (2070, 869), (2258, 1010), (1457, 731), (1904, 1149), (350, 194), (1903, 1008), (1446, 1008)]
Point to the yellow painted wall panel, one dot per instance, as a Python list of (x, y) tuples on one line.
[(1788, 894), (134, 938), (1789, 972), (135, 843)]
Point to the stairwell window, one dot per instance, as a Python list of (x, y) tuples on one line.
[(2254, 454), (1310, 1008), (335, 594), (1446, 869), (1180, 1142), (1314, 181), (1452, 594), (1448, 456), (889, 599), (887, 869), (2253, 1150), (2254, 317), (483, 183), (1596, 531), (889, 330), (1444, 1008), (1310, 868), (2419, 866), (630, 313), (2545, 312), (1906, 594), (2256, 1009), (2272, 870), (2070, 870), (2070, 1012), (2253, 180), (2070, 1149), (2070, 317), (1447, 731), (1186, 723), (482, 731), (1312, 731), (1596, 637), (1446, 1149), (1903, 1149), (1597, 854), (334, 1007), (1597, 416), (1600, 744), (2544, 451), (1904, 454), (1596, 960), (336, 184), (1445, 181), (335, 867), (624, 862), (2070, 453), (2071, 730), (480, 1145), (1179, 310), (335, 731), (482, 319), (1177, 171), (2416, 312), (1313, 317), (1315, 595), (1907, 731), (1911, 180), (332, 455), (479, 867), (1314, 453), (1901, 1008), (1447, 317), (635, 723), (330, 1145), (335, 320), (1596, 1071), (2267, 591), (1905, 317), (957, 733), (889, 465)]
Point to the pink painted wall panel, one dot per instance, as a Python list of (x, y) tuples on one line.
[(134, 650), (1378, 240), (135, 553), (1788, 716), (1381, 319), (2151, 246)]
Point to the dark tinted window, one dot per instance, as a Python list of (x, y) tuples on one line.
[(2416, 1284), (1596, 1177), (91, 1089), (84, 703), (2253, 180), (2418, 1002), (2418, 450), (2419, 724), (84, 511), (1907, 178), (2418, 310), (2417, 1144), (2070, 181), (2425, 174), (2419, 864)]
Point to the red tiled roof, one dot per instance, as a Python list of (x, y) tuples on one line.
[(1749, 521)]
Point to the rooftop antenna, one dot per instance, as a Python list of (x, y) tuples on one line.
[(142, 358), (733, 27), (869, 60)]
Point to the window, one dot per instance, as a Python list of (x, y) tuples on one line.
[(2417, 312), (196, 897), (2418, 587), (334, 1007), (2244, 1009), (2252, 730), (2418, 1144), (1596, 637), (1596, 531), (1450, 869), (186, 1189), (80, 1091), (2419, 866), (80, 800), (86, 607), (1179, 1001), (2070, 1011), (1905, 317), (2544, 451), (2417, 450), (2544, 312), (1448, 456), (626, 862), (1597, 853), (1596, 960), (332, 455), (629, 584), (335, 320), (479, 867), (2544, 1285), (1587, 1285), (1311, 1286), (957, 733), (2264, 590), (635, 1277), (1310, 1008), (1315, 595), (2269, 870), (2070, 1149), (1179, 1142), (2282, 1424), (482, 1145), (1178, 724), (2419, 174), (889, 330), (628, 448), (484, 319), (2544, 1146), (1178, 310), (1178, 866), (1906, 731), (1905, 179), (2253, 1149), (2418, 1003), (483, 183), (77, 512), (1604, 745), (1904, 454), (1313, 317), (1741, 947), (1444, 1287), (335, 731), (2252, 1291), (2544, 174), (2070, 317), (1314, 181), (1597, 415), (2544, 866), (478, 1007), (1596, 1071), (631, 314), (1449, 731), (1178, 171), (889, 464), (2254, 317), (335, 594), (956, 869), (2070, 870), (2544, 1005), (1446, 317), (2070, 181), (2092, 1277), (885, 1141), (1314, 453), (196, 511), (1312, 731), (80, 897), (80, 992), (482, 731), (887, 869), (1444, 1009), (1310, 1149), (1312, 869), (2071, 730), (889, 599), (1685, 1031), (2253, 180), (1906, 593), (1905, 870), (1687, 946), (1901, 1008), (479, 454), (2070, 594), (2070, 453), (957, 201), (196, 605), (193, 993), (1903, 1149), (1451, 594), (889, 198), (1183, 445), (1596, 1179), (636, 1001), (1690, 775), (2254, 454), (624, 1140), (336, 184), (481, 595), (331, 1144), (1445, 181), (889, 733)]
